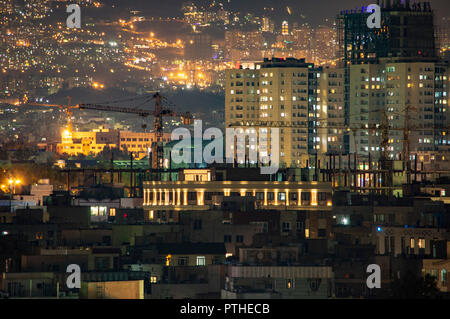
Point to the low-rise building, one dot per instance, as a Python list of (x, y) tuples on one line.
[(281, 282)]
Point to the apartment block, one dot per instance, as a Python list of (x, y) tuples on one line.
[(399, 94), (277, 93)]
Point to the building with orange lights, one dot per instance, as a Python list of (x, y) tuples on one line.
[(199, 189), (93, 142)]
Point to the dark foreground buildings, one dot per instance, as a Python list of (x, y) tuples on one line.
[(225, 233)]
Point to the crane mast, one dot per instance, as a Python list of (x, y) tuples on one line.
[(157, 149)]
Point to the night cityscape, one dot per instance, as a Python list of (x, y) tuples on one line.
[(224, 150)]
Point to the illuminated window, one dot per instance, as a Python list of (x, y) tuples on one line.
[(153, 279), (183, 261), (112, 212), (94, 210), (444, 276), (201, 261), (412, 243), (421, 243), (307, 233), (289, 284), (102, 210), (168, 259)]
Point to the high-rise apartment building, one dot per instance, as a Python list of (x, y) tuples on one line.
[(382, 76), (330, 110), (285, 28), (243, 46), (198, 46), (265, 25), (406, 31), (280, 93), (399, 93)]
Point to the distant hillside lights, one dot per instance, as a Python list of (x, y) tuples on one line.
[(213, 152)]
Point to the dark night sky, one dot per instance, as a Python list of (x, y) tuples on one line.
[(315, 10)]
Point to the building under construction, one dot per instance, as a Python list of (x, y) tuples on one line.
[(407, 30), (397, 80)]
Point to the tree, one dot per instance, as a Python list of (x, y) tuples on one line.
[(412, 286), (112, 152)]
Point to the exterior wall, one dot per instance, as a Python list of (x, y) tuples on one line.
[(93, 142), (100, 210), (37, 194), (139, 143), (414, 241), (125, 234), (269, 195), (213, 230), (191, 260), (438, 268), (57, 260), (54, 263), (177, 291), (132, 289), (36, 284), (290, 282), (399, 88), (288, 288), (278, 93), (72, 215), (269, 255), (74, 237), (330, 104)]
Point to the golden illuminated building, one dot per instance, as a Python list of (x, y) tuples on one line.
[(93, 142), (198, 191)]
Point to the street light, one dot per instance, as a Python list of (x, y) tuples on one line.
[(12, 189)]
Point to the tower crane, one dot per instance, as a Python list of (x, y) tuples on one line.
[(158, 113), (384, 128), (64, 108)]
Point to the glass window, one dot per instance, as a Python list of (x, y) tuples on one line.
[(201, 261), (183, 261), (102, 210), (94, 210), (421, 243), (444, 276)]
